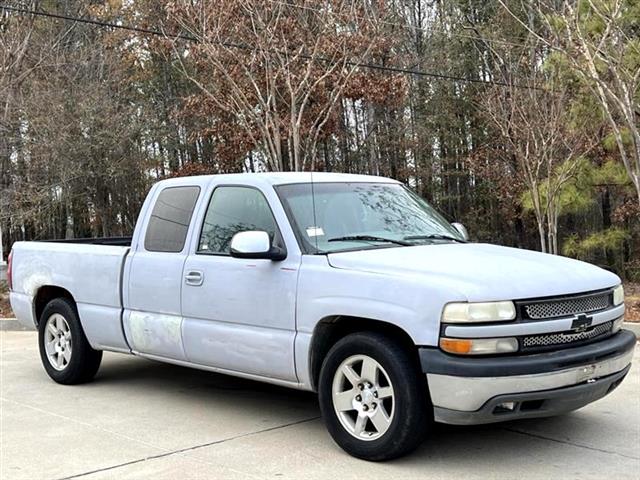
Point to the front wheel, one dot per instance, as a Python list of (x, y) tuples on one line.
[(64, 350), (373, 398)]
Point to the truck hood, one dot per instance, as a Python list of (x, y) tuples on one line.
[(481, 272)]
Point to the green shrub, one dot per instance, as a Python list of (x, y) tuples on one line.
[(604, 248)]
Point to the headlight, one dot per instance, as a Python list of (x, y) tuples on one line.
[(618, 295), (478, 312), (479, 346)]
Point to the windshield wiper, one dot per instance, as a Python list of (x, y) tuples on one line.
[(434, 236), (369, 238)]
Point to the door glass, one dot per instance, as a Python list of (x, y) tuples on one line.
[(170, 218), (232, 210)]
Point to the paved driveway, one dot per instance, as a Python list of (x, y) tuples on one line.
[(141, 419)]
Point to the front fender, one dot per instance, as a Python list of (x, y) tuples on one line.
[(410, 302)]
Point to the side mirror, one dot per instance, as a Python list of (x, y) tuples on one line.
[(462, 230), (255, 245)]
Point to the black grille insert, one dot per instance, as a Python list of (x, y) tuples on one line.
[(567, 306), (564, 338)]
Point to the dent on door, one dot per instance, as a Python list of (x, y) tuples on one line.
[(241, 348), (155, 333)]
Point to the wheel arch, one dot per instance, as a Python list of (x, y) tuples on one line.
[(45, 294), (331, 329)]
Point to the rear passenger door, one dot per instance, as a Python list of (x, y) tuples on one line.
[(152, 318), (239, 314)]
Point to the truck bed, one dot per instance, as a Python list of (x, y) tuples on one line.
[(89, 269)]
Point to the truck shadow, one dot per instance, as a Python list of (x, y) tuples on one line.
[(177, 389), (126, 370)]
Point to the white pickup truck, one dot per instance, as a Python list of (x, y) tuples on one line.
[(351, 286)]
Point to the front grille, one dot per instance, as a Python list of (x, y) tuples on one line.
[(567, 306), (565, 338)]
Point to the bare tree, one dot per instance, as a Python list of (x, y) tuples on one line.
[(278, 68), (15, 38), (598, 40), (66, 154), (546, 145)]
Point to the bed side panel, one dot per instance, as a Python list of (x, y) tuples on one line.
[(90, 273)]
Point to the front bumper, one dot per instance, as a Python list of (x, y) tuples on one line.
[(470, 390)]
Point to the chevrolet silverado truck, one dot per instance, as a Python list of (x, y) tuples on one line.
[(348, 285)]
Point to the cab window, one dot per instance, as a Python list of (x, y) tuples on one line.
[(231, 210), (170, 219)]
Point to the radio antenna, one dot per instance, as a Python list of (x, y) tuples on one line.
[(313, 202)]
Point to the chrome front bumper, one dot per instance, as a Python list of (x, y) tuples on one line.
[(472, 390)]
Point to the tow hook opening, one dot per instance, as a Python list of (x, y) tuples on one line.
[(505, 407), (525, 406)]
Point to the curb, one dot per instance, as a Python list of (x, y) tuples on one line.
[(13, 325), (633, 326)]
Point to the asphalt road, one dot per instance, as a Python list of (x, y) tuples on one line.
[(141, 419)]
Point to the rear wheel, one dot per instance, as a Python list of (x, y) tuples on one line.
[(65, 352), (373, 398)]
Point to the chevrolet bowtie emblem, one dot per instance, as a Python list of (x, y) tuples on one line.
[(580, 323)]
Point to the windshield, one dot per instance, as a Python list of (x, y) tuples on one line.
[(361, 215)]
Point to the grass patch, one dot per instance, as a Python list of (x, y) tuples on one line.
[(632, 302), (5, 308)]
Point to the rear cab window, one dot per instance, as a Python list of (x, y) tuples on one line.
[(169, 221)]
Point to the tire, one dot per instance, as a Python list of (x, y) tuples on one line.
[(378, 408), (65, 352)]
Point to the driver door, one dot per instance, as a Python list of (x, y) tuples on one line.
[(239, 314)]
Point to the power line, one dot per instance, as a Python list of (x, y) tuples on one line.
[(407, 26), (96, 22), (370, 66)]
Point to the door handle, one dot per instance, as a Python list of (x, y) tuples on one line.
[(194, 278)]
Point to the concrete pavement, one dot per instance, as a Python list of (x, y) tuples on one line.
[(141, 419)]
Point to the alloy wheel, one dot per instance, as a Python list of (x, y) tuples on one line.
[(57, 341), (363, 397)]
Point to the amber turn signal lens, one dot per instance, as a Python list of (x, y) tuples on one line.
[(456, 345), (479, 346)]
